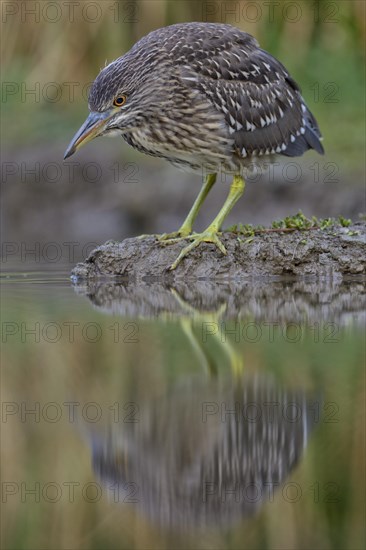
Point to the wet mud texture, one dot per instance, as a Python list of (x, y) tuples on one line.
[(335, 252)]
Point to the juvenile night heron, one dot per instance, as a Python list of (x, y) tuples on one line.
[(205, 97)]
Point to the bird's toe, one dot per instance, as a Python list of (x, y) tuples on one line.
[(172, 238), (197, 239)]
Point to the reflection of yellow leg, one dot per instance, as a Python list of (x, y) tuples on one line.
[(236, 360), (186, 227), (209, 367), (210, 235), (196, 318)]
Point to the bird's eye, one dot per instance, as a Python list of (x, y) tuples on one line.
[(119, 100)]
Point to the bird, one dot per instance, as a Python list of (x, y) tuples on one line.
[(208, 99)]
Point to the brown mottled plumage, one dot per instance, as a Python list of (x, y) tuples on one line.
[(209, 90)]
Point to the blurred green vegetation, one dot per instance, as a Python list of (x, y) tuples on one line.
[(320, 42)]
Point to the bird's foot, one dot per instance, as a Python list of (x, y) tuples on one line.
[(169, 238), (208, 236), (175, 236), (148, 236)]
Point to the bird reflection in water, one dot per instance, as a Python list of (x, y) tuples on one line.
[(212, 450)]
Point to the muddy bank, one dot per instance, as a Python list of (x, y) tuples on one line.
[(332, 253)]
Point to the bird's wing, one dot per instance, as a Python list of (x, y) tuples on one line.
[(262, 104)]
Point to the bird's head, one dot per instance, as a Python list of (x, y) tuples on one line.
[(115, 100)]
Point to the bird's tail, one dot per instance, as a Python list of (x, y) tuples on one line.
[(311, 139)]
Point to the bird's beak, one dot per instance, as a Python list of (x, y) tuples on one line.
[(92, 127)]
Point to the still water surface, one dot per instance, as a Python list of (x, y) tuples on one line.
[(204, 415)]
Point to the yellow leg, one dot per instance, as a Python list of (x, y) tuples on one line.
[(186, 227), (210, 235)]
